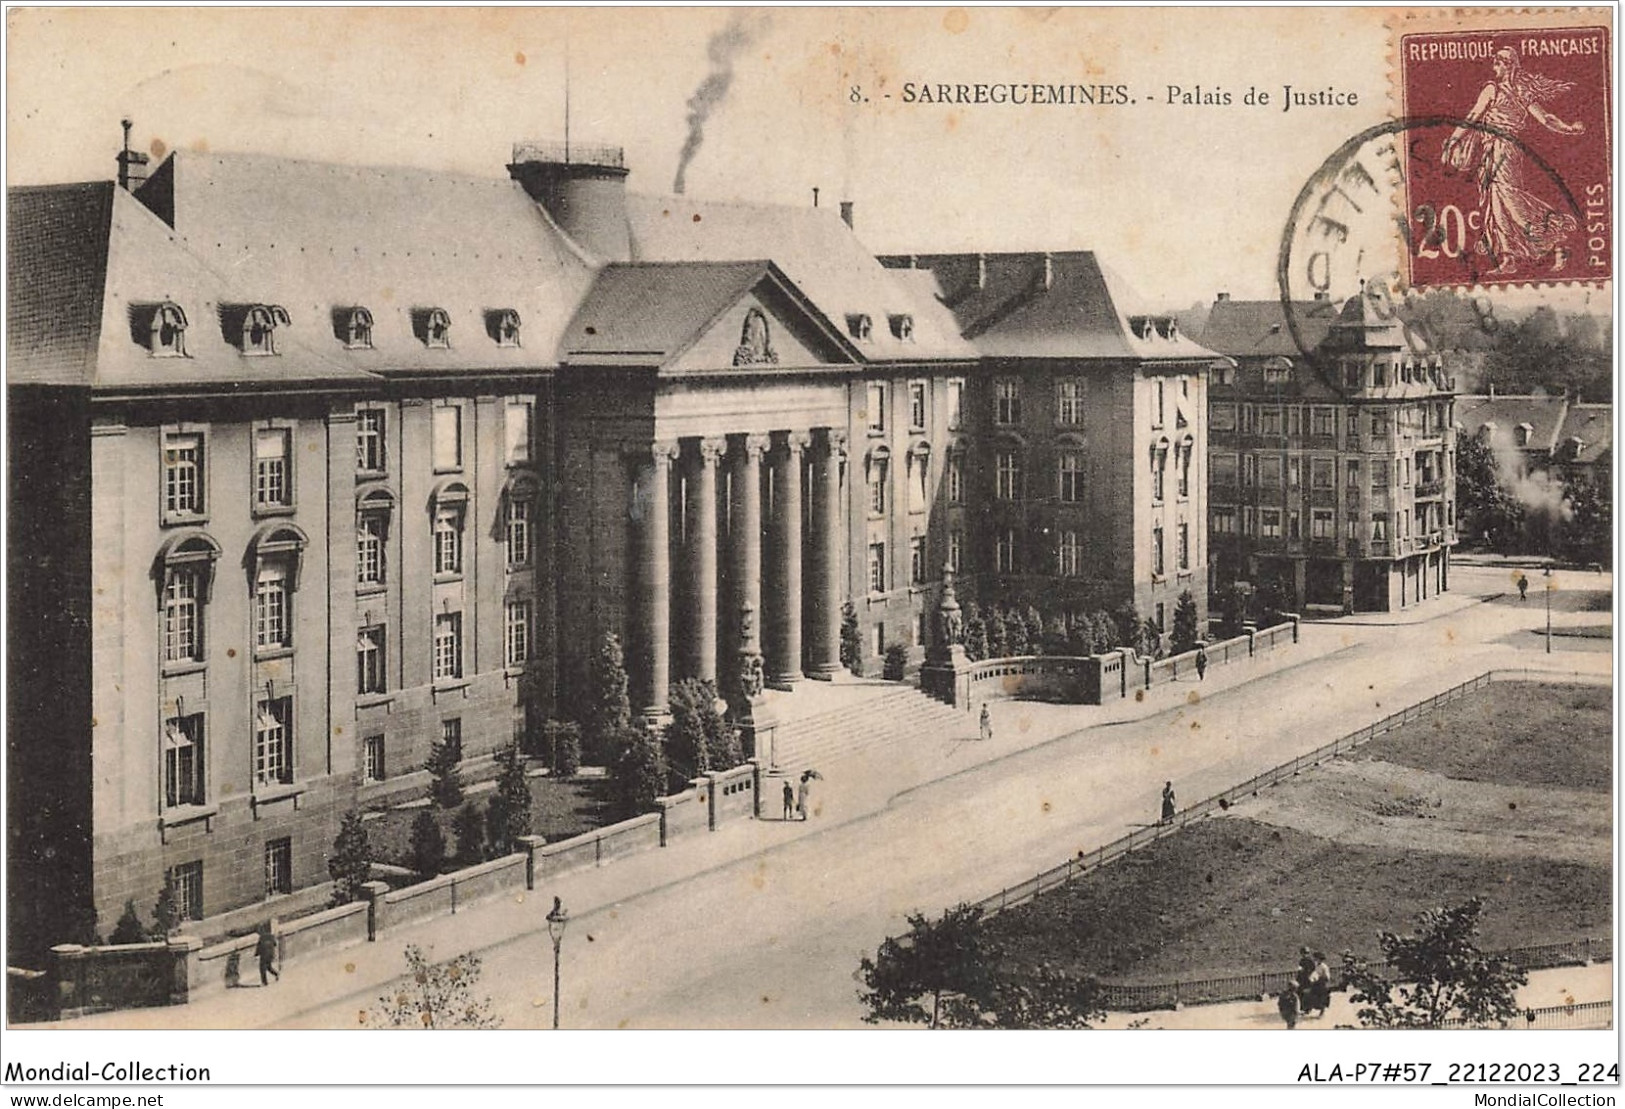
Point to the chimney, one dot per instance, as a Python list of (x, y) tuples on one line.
[(815, 196), (981, 271), (1322, 294), (1049, 270), (1222, 296), (846, 213), (132, 164), (583, 188)]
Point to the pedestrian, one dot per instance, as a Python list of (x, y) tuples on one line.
[(1523, 586), (1319, 994), (1287, 1004), (1167, 801), (1201, 664), (987, 722), (789, 801), (801, 796), (265, 950)]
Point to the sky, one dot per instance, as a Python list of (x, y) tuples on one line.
[(1184, 200)]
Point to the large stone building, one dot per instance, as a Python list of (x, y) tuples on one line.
[(313, 466), (1331, 454)]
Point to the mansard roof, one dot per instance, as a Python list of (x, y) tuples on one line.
[(1544, 413), (1258, 328)]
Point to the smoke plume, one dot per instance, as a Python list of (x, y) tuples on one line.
[(737, 34), (1539, 492)]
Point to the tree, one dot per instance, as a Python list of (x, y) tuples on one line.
[(428, 844), (699, 738), (1035, 630), (949, 973), (129, 928), (1130, 629), (469, 826), (1104, 631), (509, 817), (166, 913), (445, 764), (350, 865), (895, 666), (851, 640), (562, 739), (1485, 503), (1232, 606), (1439, 974), (1586, 534), (434, 995), (1185, 624), (1018, 637), (998, 635), (975, 633), (1056, 637), (610, 710), (638, 773)]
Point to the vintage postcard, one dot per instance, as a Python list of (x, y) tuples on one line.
[(715, 520)]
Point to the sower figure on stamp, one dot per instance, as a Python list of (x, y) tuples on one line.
[(1518, 225)]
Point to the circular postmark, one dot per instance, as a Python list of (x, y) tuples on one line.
[(1397, 211)]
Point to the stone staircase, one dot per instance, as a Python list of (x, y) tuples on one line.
[(885, 715)]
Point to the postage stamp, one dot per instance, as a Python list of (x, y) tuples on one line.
[(1507, 161)]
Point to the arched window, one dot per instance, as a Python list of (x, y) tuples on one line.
[(165, 329), (184, 572), (274, 558), (374, 512), (449, 506), (432, 326), (1187, 446), (354, 327), (1159, 466), (919, 476), (877, 474), (252, 328), (502, 324)]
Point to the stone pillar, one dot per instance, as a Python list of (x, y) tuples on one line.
[(654, 559), (784, 668), (748, 527), (705, 560), (825, 630)]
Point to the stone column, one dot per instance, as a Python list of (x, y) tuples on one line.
[(654, 559), (784, 669), (825, 630), (748, 550), (705, 561)]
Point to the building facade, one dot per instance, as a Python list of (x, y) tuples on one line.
[(1332, 457), (316, 466)]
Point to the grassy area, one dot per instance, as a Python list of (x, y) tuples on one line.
[(559, 809), (1512, 733), (1231, 896)]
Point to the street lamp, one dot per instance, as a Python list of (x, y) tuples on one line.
[(556, 922), (1547, 574)]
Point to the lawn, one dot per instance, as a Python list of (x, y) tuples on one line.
[(559, 809)]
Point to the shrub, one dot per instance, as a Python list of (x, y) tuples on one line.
[(1104, 630), (1056, 639), (975, 633), (428, 844), (699, 738), (638, 772), (1081, 640), (469, 825), (1018, 638), (129, 928), (998, 635), (445, 763), (562, 742), (509, 815), (166, 914), (434, 995), (1185, 630), (896, 662), (610, 711), (350, 865), (1034, 620), (851, 640)]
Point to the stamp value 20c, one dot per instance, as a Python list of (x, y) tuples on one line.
[(1509, 180)]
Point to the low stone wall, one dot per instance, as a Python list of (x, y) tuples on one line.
[(734, 794), (598, 847), (444, 895), (121, 976), (684, 813), (1034, 678), (337, 927)]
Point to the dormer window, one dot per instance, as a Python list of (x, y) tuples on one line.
[(1523, 432), (354, 328), (166, 331), (503, 327), (860, 327), (1277, 371), (432, 326), (251, 328), (902, 327)]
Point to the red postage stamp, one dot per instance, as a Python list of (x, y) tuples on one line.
[(1508, 173)]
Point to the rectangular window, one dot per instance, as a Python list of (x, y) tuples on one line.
[(1069, 477), (1379, 424), (1351, 425), (1294, 422), (1294, 473), (272, 627), (183, 760), (956, 479), (1405, 471), (517, 527), (1069, 555), (369, 440), (1069, 401), (518, 428), (1325, 422), (273, 741), (451, 736), (1353, 524), (1007, 472), (183, 624), (877, 486), (877, 567), (1224, 469), (1160, 412), (370, 675), (1249, 470), (919, 571), (186, 883), (1183, 457), (1294, 529), (1269, 421), (1379, 528), (1184, 546), (372, 758), (1379, 473), (1269, 523), (1320, 524), (1322, 474), (1006, 551), (448, 437), (1222, 418), (1249, 523), (1007, 402), (956, 403), (183, 475), (916, 405), (278, 866), (877, 407), (1156, 550), (956, 550), (448, 541), (369, 548), (448, 646), (1224, 520), (273, 487), (919, 466), (1353, 470), (517, 636), (1159, 463), (1269, 471)]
